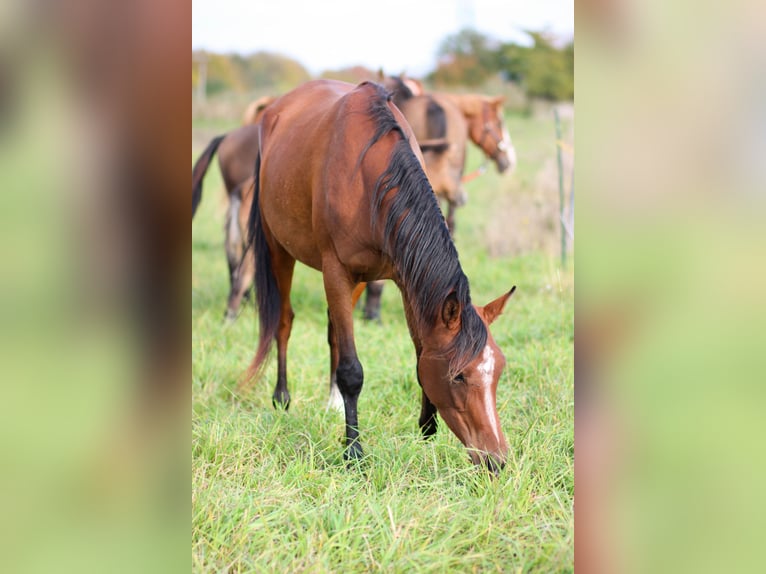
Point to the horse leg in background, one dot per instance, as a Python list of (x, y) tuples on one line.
[(244, 265), (243, 279), (246, 280), (451, 207), (339, 289), (233, 236), (372, 301), (283, 265), (335, 402)]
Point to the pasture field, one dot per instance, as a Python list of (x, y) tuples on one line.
[(270, 492)]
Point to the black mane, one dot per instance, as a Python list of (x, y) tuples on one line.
[(418, 242)]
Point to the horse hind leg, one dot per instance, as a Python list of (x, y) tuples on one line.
[(243, 279), (233, 236), (283, 265), (241, 262), (247, 189)]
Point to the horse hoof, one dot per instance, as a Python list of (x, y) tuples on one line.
[(353, 453), (428, 430), (229, 317), (281, 401)]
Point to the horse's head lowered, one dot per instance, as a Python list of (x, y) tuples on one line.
[(466, 398), (488, 131)]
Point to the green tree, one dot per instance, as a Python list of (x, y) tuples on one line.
[(261, 71), (222, 74), (467, 58), (271, 71), (542, 70)]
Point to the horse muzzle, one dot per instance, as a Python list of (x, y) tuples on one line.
[(505, 160), (493, 462), (459, 198)]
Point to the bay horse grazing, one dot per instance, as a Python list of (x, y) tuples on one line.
[(340, 187)]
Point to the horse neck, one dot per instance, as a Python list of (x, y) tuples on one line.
[(414, 234), (426, 271), (472, 113), (466, 104), (424, 259)]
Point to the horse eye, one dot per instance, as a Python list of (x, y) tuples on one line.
[(459, 379)]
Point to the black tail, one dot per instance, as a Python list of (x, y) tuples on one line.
[(266, 290), (200, 169)]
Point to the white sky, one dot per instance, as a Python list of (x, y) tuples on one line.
[(398, 35)]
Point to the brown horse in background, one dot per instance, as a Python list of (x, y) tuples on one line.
[(340, 187), (237, 151)]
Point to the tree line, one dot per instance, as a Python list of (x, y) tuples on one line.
[(542, 69)]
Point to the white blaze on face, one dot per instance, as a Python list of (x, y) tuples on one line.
[(506, 144), (486, 370)]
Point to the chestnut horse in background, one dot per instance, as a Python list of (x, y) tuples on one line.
[(340, 187)]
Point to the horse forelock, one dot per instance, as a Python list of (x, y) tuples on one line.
[(417, 241)]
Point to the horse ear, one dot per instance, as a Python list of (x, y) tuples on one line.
[(381, 75), (492, 310), (497, 100), (451, 311)]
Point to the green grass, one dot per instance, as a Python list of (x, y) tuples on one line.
[(270, 490)]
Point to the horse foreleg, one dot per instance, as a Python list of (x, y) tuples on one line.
[(335, 401), (349, 374)]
